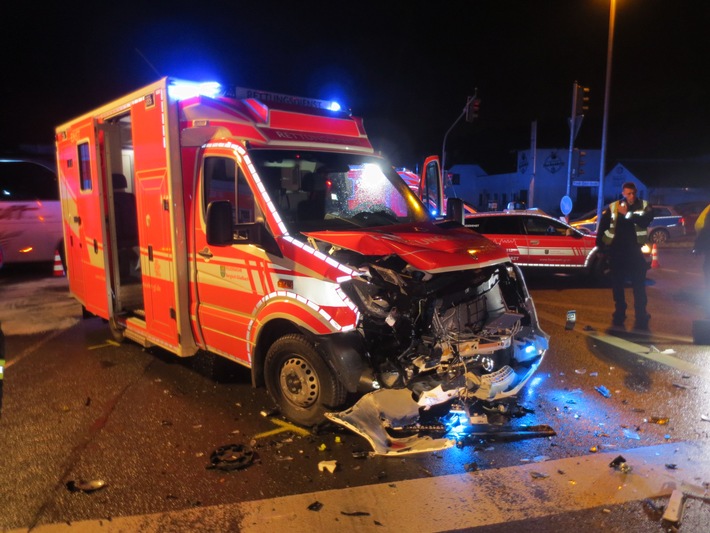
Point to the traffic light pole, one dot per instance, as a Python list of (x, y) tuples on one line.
[(443, 148), (470, 111), (572, 135)]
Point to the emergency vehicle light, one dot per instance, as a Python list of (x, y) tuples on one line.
[(180, 89)]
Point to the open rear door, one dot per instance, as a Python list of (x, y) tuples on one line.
[(83, 212)]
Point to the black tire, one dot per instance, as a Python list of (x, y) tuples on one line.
[(300, 381), (599, 271), (658, 236)]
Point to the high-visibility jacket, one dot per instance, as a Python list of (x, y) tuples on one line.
[(641, 233), (701, 220)]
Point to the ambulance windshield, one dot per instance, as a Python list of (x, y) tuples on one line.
[(332, 191)]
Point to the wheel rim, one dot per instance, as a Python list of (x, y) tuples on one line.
[(299, 382), (659, 237)]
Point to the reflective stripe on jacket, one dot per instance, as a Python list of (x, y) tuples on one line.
[(641, 233)]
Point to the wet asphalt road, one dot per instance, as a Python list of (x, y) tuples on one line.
[(78, 406)]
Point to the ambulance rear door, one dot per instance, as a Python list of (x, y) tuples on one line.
[(160, 209), (80, 165)]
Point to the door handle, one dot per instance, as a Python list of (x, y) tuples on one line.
[(534, 242), (77, 220), (205, 253)]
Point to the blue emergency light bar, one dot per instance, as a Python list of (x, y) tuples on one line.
[(181, 89)]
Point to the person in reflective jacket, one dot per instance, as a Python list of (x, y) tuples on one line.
[(621, 234)]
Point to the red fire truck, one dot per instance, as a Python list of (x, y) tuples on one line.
[(264, 228)]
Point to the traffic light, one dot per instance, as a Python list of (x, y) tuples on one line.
[(473, 105), (581, 99)]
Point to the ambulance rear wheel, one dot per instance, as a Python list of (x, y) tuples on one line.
[(300, 381)]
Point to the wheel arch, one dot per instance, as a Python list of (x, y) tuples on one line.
[(343, 352)]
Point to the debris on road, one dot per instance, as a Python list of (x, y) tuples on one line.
[(631, 434), (674, 509), (571, 319), (330, 466), (661, 421), (471, 467), (231, 457), (315, 506), (85, 486), (620, 464), (601, 389)]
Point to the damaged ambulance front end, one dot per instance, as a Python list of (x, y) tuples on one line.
[(444, 321), (451, 327)]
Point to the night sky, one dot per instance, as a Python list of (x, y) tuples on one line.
[(406, 67)]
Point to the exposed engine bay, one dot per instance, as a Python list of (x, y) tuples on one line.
[(467, 340)]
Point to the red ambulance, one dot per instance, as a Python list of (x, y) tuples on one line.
[(264, 228)]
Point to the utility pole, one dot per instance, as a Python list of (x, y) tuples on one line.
[(607, 90), (533, 150), (579, 106)]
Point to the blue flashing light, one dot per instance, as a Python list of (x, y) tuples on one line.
[(434, 212), (334, 106), (529, 348), (181, 90)]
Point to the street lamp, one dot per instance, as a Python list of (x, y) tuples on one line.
[(607, 86)]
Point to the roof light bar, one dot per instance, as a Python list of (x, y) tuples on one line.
[(180, 89)]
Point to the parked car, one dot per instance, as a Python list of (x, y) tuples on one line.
[(667, 224), (536, 241), (690, 212), (30, 212)]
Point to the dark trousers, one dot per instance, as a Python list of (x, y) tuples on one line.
[(628, 266)]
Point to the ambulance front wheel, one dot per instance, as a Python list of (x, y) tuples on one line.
[(300, 381)]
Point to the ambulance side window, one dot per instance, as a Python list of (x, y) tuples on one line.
[(245, 200), (224, 180), (219, 178), (84, 167)]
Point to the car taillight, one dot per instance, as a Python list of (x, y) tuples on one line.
[(682, 221)]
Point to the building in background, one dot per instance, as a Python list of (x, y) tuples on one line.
[(659, 181)]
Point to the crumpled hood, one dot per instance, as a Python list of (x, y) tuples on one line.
[(425, 247)]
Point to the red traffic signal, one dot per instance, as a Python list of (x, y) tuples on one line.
[(473, 106)]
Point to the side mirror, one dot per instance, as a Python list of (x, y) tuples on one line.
[(454, 210), (219, 223)]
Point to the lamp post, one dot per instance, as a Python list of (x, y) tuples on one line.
[(607, 86)]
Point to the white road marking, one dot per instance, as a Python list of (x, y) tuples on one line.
[(447, 502)]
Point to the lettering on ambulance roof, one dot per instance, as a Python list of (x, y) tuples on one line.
[(310, 137), (265, 96)]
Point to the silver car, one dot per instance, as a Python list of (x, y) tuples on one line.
[(30, 212), (667, 224)]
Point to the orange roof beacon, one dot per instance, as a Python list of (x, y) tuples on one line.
[(264, 228)]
